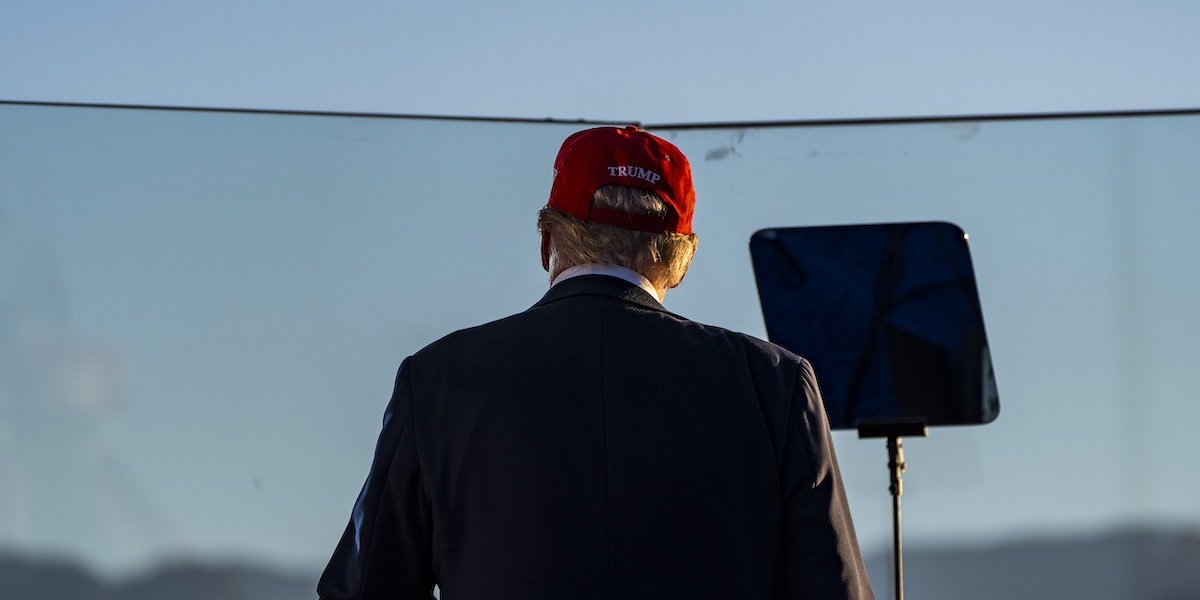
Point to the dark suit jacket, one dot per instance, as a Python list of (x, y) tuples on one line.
[(598, 446)]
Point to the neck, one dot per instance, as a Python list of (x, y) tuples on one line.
[(612, 271)]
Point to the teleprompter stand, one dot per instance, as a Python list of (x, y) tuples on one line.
[(889, 315), (894, 430)]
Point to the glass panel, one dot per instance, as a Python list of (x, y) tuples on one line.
[(1082, 237), (201, 315), (201, 312)]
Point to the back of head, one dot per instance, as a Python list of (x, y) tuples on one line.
[(621, 197)]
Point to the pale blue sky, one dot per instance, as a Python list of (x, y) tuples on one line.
[(650, 61), (148, 191)]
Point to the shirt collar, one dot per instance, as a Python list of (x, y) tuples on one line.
[(612, 271)]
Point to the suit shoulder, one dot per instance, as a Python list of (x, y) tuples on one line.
[(470, 335), (755, 347)]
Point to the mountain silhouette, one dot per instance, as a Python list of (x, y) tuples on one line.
[(1131, 564), (27, 578)]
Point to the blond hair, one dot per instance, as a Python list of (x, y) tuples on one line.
[(663, 258)]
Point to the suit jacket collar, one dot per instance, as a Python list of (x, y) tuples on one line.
[(601, 285)]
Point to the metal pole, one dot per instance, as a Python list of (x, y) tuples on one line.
[(896, 467), (892, 429)]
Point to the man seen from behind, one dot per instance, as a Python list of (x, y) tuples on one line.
[(598, 446)]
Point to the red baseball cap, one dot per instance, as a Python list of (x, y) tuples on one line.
[(630, 157)]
